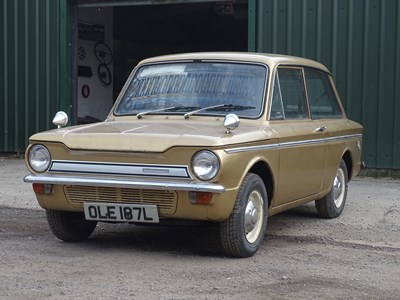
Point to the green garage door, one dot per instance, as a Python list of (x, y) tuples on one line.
[(359, 41), (33, 61)]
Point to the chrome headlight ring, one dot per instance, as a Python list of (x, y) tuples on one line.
[(205, 165), (39, 158)]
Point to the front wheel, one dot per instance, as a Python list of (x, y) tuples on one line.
[(243, 232), (69, 226), (332, 205)]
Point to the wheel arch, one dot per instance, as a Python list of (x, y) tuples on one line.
[(347, 157), (262, 169)]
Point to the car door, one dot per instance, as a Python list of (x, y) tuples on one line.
[(325, 107), (301, 139)]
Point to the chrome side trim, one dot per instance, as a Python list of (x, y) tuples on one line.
[(251, 148), (301, 143), (103, 181), (344, 137), (291, 144), (119, 169)]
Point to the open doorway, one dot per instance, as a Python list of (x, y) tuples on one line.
[(113, 39)]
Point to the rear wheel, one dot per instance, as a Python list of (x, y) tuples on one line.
[(243, 232), (332, 205), (69, 226)]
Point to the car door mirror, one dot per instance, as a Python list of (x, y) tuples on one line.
[(60, 119), (231, 122)]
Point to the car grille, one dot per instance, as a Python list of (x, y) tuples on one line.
[(165, 200)]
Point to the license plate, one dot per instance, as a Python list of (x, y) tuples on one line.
[(121, 212)]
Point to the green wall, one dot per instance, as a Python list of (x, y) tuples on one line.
[(34, 80), (359, 41)]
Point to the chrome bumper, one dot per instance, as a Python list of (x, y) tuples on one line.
[(169, 184)]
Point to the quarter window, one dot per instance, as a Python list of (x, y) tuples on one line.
[(323, 103), (292, 93), (277, 112)]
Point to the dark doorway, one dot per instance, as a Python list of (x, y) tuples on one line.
[(145, 31), (135, 32)]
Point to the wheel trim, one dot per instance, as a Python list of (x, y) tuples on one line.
[(254, 217), (339, 187)]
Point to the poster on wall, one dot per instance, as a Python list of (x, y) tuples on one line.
[(95, 80), (85, 91), (90, 32)]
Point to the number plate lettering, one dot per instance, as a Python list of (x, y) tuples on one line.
[(121, 212)]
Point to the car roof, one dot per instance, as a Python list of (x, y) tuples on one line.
[(271, 60)]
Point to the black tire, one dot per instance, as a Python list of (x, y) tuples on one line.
[(70, 226), (252, 198), (332, 205)]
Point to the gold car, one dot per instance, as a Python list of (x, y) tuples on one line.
[(229, 138)]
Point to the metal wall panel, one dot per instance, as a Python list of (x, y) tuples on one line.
[(29, 68), (359, 41), (97, 3)]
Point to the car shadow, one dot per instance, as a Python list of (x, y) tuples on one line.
[(301, 216), (186, 238), (305, 211)]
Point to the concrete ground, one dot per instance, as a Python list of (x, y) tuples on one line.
[(356, 256)]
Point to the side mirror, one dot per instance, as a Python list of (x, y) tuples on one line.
[(60, 119), (231, 122)]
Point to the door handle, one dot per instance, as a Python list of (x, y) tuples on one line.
[(320, 129)]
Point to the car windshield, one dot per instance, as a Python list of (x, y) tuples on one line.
[(194, 88)]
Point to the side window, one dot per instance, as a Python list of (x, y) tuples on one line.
[(323, 103), (276, 105), (293, 94)]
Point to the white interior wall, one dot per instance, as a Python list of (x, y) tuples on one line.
[(100, 99)]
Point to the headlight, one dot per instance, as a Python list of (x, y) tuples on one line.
[(39, 158), (205, 165)]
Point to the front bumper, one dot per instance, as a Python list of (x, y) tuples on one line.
[(155, 184)]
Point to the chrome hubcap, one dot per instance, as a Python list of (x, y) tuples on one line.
[(339, 186), (253, 217)]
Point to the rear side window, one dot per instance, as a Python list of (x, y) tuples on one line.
[(323, 103), (277, 112), (291, 94)]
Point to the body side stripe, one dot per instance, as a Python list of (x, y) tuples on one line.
[(291, 144)]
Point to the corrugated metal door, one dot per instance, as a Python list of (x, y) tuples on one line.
[(30, 68), (359, 41)]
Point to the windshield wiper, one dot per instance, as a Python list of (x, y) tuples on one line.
[(196, 109), (139, 115), (172, 108), (229, 107), (186, 116), (186, 108), (220, 107)]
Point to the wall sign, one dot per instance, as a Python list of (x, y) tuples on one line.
[(85, 91), (81, 53), (91, 32)]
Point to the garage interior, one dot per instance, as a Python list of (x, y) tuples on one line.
[(111, 40)]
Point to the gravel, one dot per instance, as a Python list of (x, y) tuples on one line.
[(356, 256)]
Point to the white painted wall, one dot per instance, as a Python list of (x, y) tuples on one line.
[(100, 100)]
